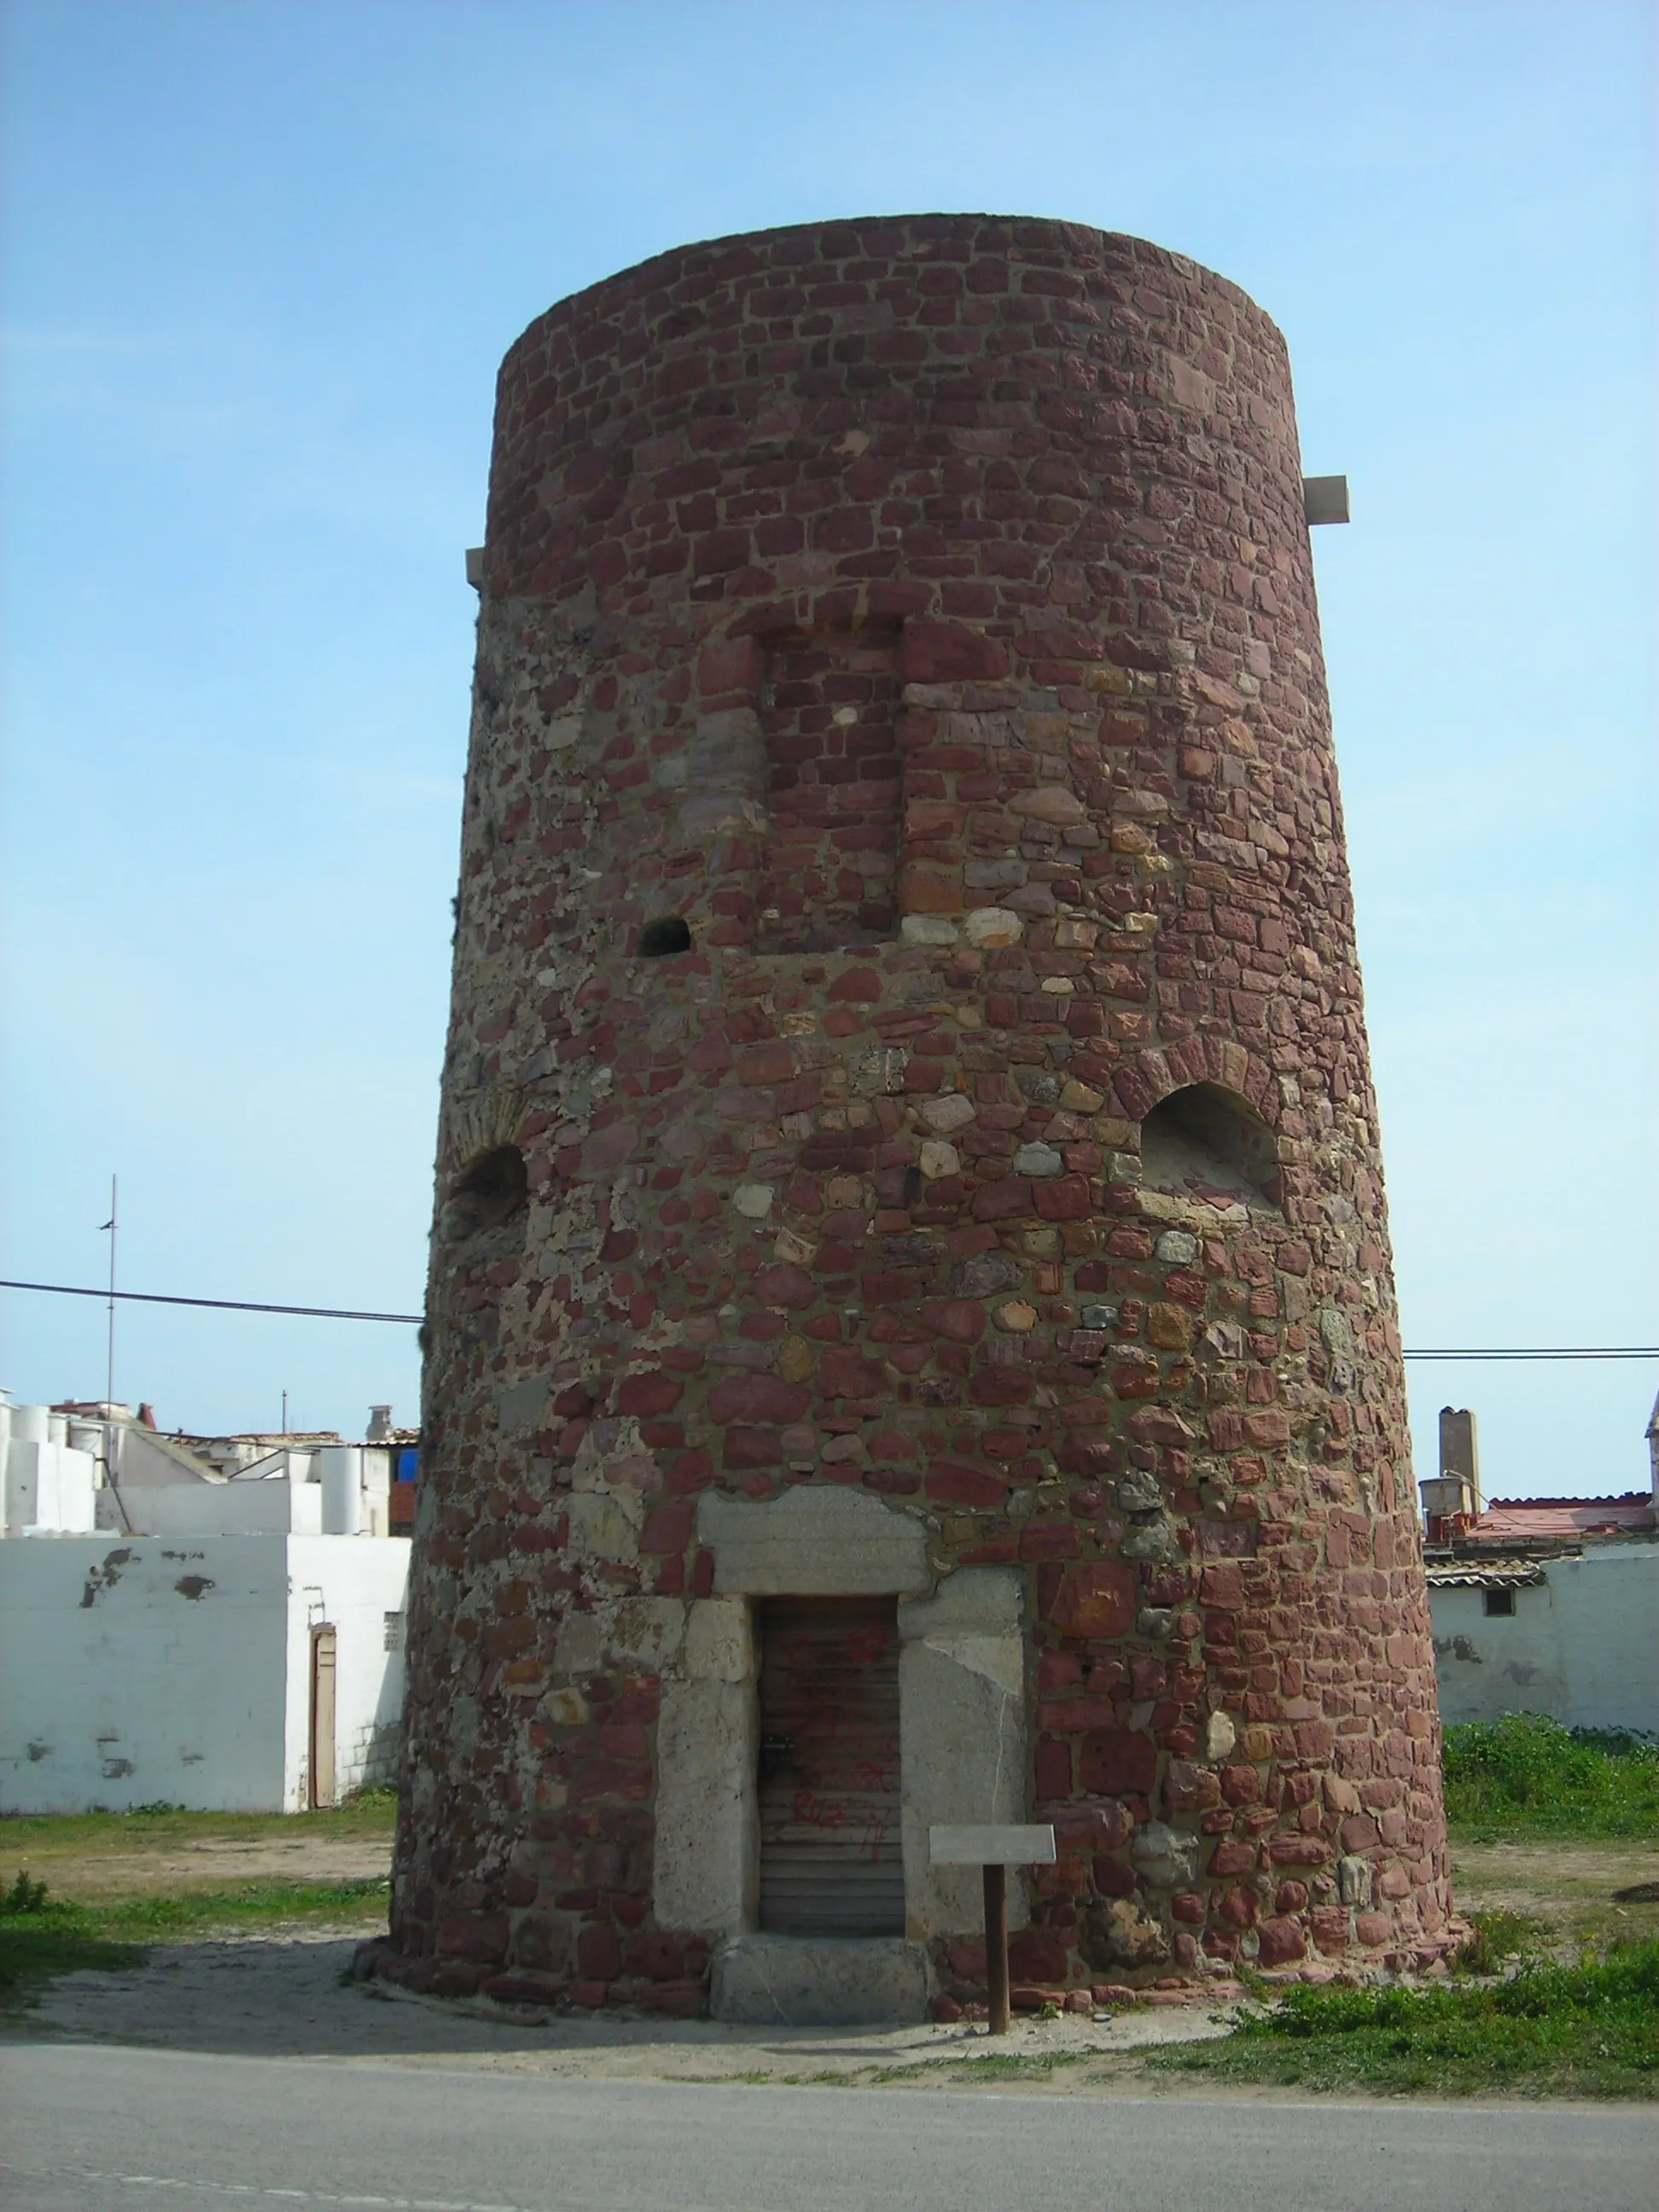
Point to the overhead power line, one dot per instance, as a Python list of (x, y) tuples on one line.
[(224, 1305), (346, 1313), (1540, 1352)]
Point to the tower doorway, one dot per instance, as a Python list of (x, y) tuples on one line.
[(830, 1857)]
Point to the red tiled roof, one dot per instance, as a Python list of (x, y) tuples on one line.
[(1488, 1574), (1630, 1515)]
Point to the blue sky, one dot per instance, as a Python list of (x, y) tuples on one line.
[(261, 261)]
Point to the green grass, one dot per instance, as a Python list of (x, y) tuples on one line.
[(1590, 2030), (41, 1935), (161, 1917), (1526, 1776), (370, 1812)]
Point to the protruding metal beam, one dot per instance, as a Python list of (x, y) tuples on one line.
[(1325, 499)]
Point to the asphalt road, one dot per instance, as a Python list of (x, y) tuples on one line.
[(87, 2125)]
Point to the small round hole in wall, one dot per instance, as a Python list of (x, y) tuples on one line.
[(668, 933)]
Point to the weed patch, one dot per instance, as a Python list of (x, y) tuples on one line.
[(1499, 1936), (1589, 2030), (1524, 1775), (994, 2066), (24, 1896), (1020, 2065)]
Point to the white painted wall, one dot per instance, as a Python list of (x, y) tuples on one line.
[(229, 1509), (176, 1669), (46, 1487), (142, 1671), (340, 1476), (1581, 1646), (359, 1587), (50, 1483), (377, 1491), (143, 1458), (48, 1477)]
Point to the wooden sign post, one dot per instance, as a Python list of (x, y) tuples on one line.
[(994, 1851)]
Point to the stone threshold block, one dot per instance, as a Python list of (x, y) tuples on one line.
[(819, 1981)]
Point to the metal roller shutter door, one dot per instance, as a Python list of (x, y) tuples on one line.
[(830, 1857)]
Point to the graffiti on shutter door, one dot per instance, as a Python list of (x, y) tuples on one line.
[(830, 1857)]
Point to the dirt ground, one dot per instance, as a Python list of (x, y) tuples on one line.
[(290, 1993), (212, 1863), (287, 1991), (1570, 1885), (99, 1858)]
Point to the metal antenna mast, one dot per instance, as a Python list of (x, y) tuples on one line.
[(113, 1225)]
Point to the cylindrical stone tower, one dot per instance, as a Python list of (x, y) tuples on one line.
[(911, 1331)]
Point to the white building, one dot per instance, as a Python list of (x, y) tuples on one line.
[(1574, 1637), (49, 1471), (172, 1633), (1542, 1605)]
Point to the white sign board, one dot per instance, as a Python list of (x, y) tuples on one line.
[(992, 1846)]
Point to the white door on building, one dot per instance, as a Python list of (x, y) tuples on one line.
[(323, 1655)]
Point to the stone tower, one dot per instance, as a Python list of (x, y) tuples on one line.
[(911, 1335)]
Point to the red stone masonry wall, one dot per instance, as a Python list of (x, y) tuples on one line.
[(1021, 503)]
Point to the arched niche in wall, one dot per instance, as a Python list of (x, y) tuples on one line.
[(490, 1194), (1206, 1143)]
